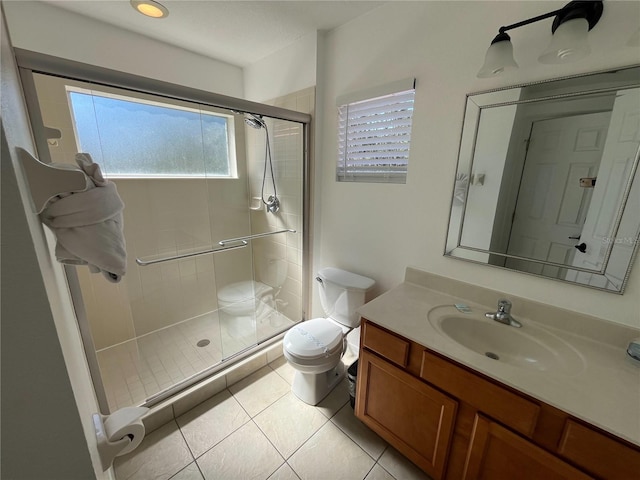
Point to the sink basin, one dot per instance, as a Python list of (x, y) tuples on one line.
[(529, 347)]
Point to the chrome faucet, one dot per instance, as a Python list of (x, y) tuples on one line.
[(503, 315)]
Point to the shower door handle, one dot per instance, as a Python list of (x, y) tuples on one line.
[(251, 237)]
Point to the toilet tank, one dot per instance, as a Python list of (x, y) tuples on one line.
[(341, 293)]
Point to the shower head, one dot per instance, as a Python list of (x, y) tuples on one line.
[(254, 121)]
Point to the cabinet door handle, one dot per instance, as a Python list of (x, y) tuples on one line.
[(574, 237)]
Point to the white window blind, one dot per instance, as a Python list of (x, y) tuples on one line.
[(374, 136)]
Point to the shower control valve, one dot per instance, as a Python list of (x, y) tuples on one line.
[(273, 204)]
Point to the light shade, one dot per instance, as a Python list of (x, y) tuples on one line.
[(150, 8), (499, 57), (569, 42)]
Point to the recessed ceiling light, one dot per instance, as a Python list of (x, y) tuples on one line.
[(150, 8)]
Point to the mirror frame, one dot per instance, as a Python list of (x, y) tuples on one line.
[(510, 95)]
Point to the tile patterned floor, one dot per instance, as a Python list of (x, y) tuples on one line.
[(257, 429), (138, 369)]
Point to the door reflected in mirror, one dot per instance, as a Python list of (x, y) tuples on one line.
[(546, 180)]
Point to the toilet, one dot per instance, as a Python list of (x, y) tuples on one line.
[(244, 303), (315, 347)]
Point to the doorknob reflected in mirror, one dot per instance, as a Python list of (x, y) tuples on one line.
[(582, 247)]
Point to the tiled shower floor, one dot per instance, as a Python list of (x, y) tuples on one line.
[(256, 429), (138, 369)]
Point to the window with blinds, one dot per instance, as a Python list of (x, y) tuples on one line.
[(374, 136)]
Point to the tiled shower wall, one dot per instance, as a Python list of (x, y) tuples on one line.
[(286, 152), (166, 217), (162, 218)]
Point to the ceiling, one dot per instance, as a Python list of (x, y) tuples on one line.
[(237, 32)]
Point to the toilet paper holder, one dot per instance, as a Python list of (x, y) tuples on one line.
[(119, 433)]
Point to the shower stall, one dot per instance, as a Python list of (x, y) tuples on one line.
[(215, 193)]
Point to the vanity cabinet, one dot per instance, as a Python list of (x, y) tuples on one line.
[(455, 423), (416, 418), (496, 452)]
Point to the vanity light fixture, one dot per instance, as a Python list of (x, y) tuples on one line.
[(568, 44), (150, 8)]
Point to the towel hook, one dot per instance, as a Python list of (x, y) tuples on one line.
[(46, 181)]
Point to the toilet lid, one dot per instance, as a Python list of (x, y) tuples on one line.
[(313, 339), (242, 291)]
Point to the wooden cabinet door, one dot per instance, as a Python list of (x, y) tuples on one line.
[(415, 418), (496, 453), (599, 454)]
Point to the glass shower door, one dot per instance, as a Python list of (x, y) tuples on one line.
[(259, 289), (181, 174), (193, 179)]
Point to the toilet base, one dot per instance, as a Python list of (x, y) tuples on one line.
[(311, 388)]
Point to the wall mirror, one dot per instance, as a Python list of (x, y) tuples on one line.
[(546, 182)]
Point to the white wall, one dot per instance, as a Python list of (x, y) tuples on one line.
[(289, 70), (46, 29), (490, 156), (377, 230)]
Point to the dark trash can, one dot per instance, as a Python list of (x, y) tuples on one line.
[(352, 374)]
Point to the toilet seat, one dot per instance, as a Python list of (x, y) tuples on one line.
[(243, 291), (314, 346), (313, 340)]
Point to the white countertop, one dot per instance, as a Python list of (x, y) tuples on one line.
[(605, 393)]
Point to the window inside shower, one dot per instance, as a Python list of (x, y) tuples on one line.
[(190, 176), (134, 137)]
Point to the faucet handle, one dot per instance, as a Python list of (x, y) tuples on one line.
[(504, 305)]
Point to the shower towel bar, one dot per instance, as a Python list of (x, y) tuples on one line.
[(223, 243), (144, 263), (257, 235)]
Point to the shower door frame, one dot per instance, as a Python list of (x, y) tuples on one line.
[(30, 62)]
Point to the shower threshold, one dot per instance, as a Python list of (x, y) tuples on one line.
[(150, 368)]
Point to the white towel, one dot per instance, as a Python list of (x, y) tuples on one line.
[(88, 225)]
